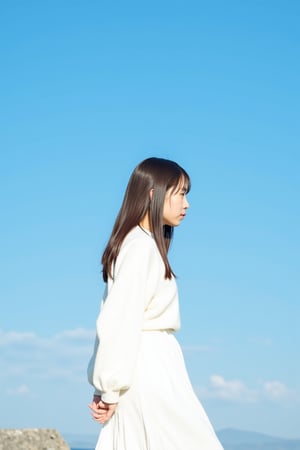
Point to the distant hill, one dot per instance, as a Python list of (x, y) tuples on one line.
[(248, 440), (231, 439)]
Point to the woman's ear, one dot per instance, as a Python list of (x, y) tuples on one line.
[(151, 194)]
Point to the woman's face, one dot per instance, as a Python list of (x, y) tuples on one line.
[(175, 206)]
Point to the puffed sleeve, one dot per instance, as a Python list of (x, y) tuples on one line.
[(120, 322)]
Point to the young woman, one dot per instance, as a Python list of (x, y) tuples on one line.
[(143, 394)]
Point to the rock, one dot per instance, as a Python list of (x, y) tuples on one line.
[(31, 439)]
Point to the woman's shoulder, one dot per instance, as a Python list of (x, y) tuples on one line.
[(139, 235), (139, 248), (138, 238)]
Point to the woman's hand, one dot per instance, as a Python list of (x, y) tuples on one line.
[(100, 411)]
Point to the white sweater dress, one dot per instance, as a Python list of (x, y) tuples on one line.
[(137, 361)]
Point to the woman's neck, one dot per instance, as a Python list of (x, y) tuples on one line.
[(145, 223)]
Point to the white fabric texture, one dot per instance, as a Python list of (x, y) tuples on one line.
[(138, 363)]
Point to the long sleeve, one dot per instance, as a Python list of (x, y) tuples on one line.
[(120, 322)]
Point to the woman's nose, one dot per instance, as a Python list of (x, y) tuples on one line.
[(186, 205)]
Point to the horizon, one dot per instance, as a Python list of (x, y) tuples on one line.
[(232, 437)]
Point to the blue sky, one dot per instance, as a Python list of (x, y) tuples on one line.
[(89, 89)]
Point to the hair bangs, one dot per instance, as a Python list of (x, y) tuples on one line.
[(182, 182)]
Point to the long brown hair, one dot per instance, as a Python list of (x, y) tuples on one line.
[(152, 173)]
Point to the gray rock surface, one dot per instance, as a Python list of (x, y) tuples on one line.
[(31, 439)]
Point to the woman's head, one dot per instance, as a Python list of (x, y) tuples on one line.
[(149, 194), (146, 191)]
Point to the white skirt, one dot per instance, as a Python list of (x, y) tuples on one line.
[(160, 411)]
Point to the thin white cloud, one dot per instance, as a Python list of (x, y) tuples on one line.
[(14, 337), (235, 390), (78, 333), (19, 391), (261, 341), (25, 355), (276, 390)]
